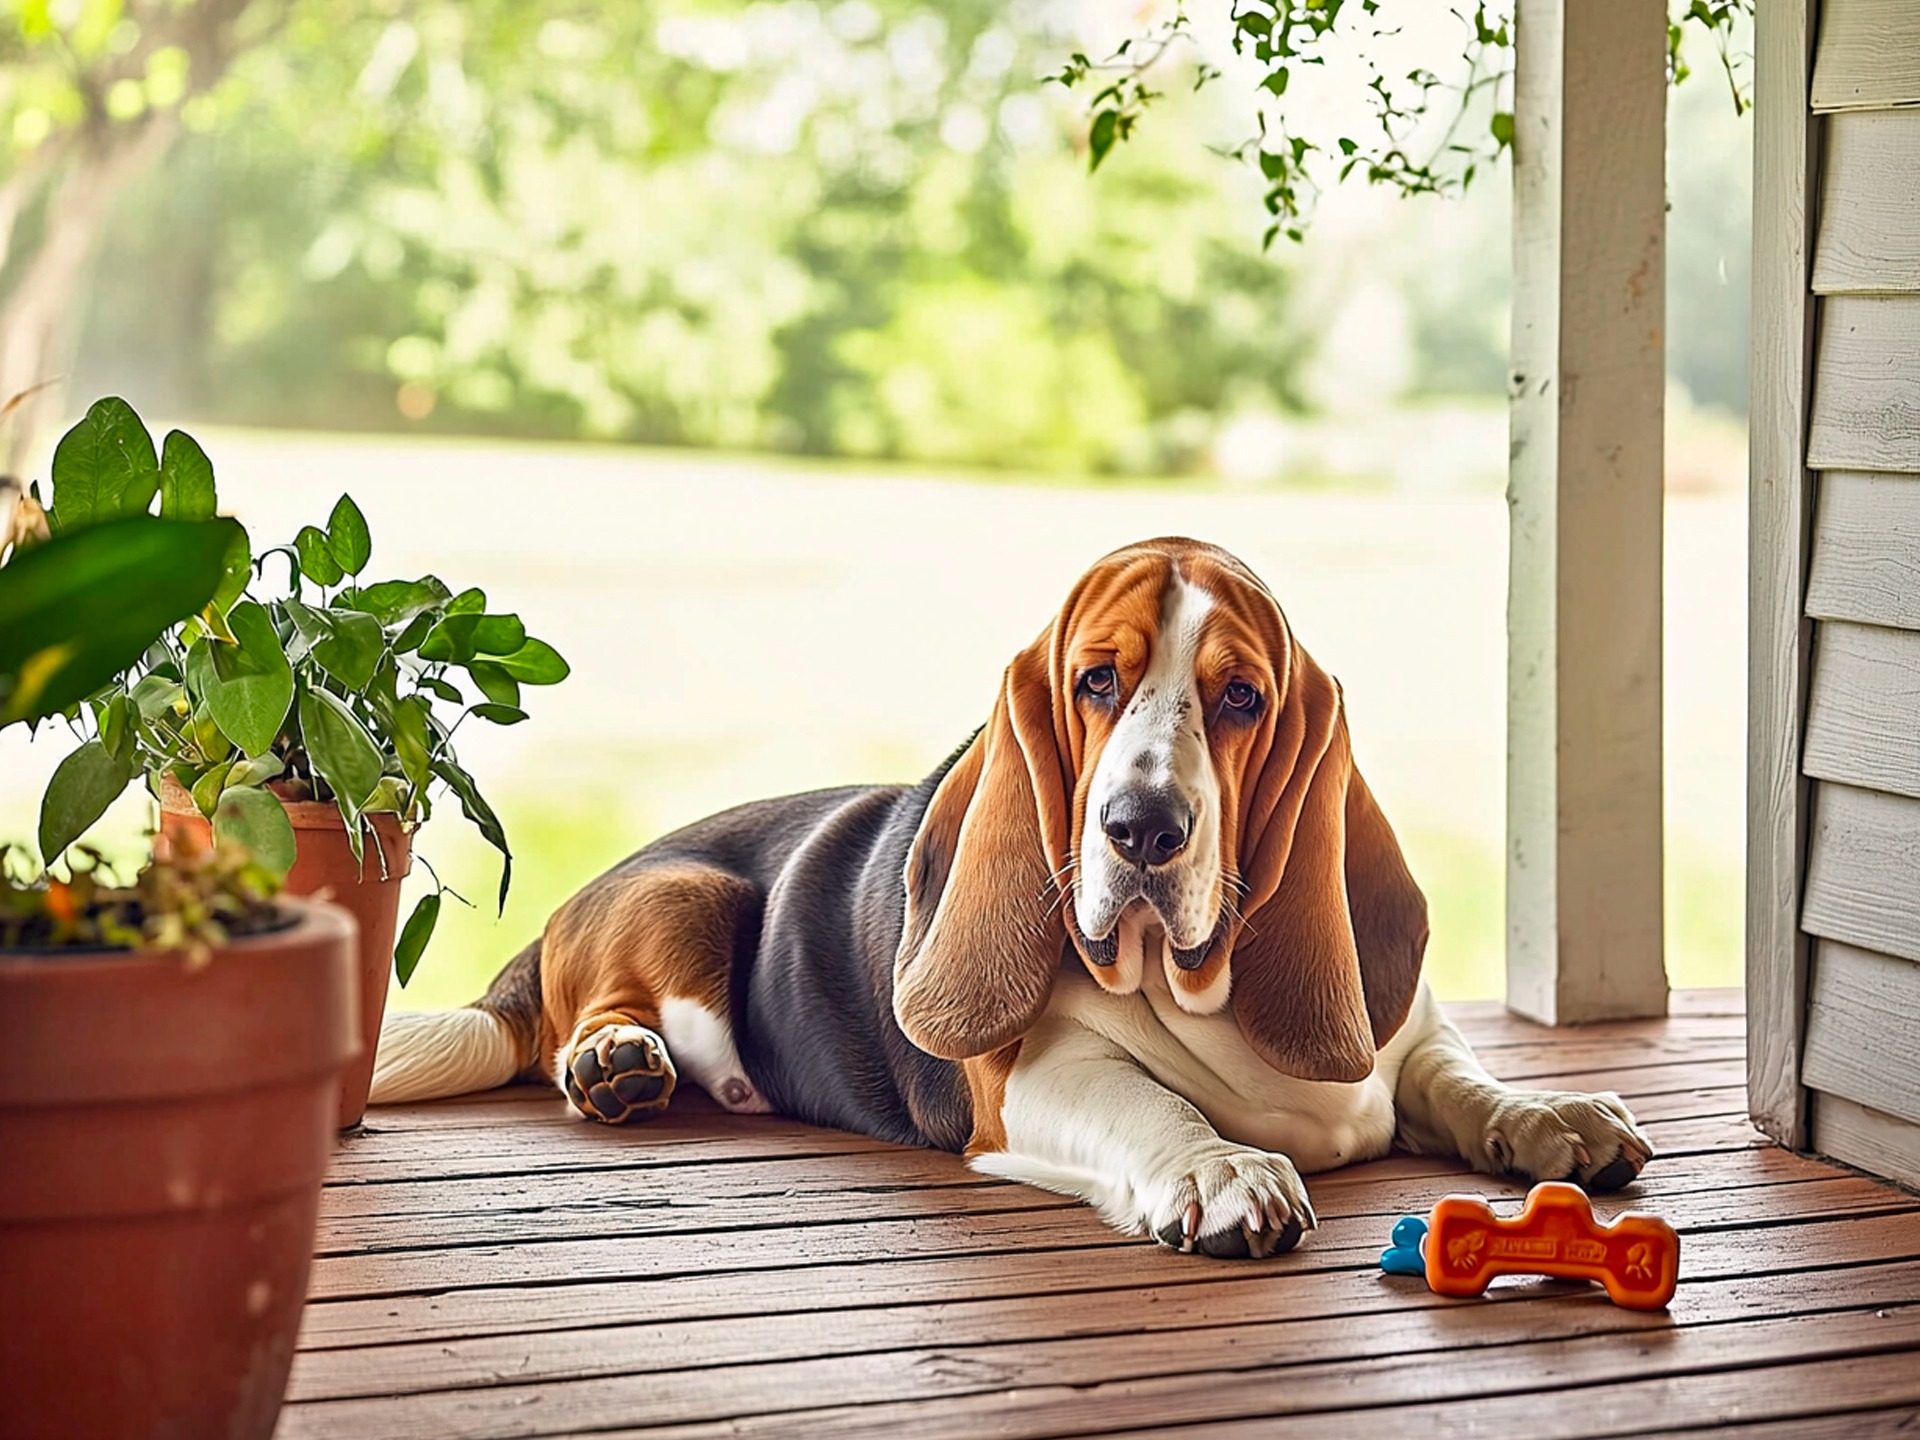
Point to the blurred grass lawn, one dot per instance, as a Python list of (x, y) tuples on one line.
[(742, 627)]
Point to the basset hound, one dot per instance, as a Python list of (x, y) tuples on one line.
[(1145, 939)]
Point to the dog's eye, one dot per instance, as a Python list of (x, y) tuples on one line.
[(1241, 696), (1099, 682)]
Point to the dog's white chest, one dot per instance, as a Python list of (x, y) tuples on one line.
[(1206, 1060)]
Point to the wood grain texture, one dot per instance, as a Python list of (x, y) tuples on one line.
[(1866, 386), (682, 1286), (1585, 902), (1779, 509), (1866, 550), (1869, 55), (1862, 1023), (1863, 714), (1863, 872), (1869, 241), (1869, 1138)]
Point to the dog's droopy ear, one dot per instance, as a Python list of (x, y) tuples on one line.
[(983, 936), (1326, 967)]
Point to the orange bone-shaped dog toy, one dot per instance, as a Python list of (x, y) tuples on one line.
[(1637, 1257)]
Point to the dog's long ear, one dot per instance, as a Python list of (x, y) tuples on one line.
[(1326, 966), (983, 936)]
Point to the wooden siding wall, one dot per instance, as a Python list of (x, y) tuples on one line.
[(1862, 740)]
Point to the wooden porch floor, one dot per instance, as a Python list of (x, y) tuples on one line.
[(489, 1267)]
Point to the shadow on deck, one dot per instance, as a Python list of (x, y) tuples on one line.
[(491, 1267)]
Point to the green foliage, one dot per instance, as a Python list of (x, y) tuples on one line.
[(744, 227), (1428, 134), (80, 607), (328, 691)]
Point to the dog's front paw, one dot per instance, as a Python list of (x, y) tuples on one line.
[(619, 1073), (1591, 1140), (1231, 1202)]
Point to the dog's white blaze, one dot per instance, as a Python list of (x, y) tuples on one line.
[(701, 1044), (1161, 740)]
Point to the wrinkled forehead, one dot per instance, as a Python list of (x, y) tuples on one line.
[(1123, 603)]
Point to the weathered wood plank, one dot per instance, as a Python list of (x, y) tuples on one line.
[(1061, 1388), (1339, 1243), (1866, 550), (1870, 193), (1863, 870), (666, 1203), (1779, 637), (1863, 716), (1866, 386), (1865, 1137), (1584, 886), (1869, 55), (1861, 1029), (754, 1363)]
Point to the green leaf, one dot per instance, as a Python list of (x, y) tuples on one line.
[(467, 602), (495, 683), (236, 571), (84, 785), (256, 771), (476, 809), (186, 479), (1100, 138), (459, 638), (414, 936), (534, 663), (500, 714), (316, 557), (347, 536), (255, 820), (116, 729), (395, 602), (352, 653), (408, 731), (1502, 127), (206, 790), (103, 469), (154, 695), (342, 752), (452, 695), (252, 683), (76, 611)]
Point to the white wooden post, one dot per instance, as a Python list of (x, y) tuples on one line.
[(1584, 890)]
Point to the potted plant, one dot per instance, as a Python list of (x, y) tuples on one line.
[(170, 1052), (299, 721)]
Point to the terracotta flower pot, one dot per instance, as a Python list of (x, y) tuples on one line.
[(165, 1130), (324, 866)]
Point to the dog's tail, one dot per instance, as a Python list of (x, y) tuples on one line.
[(431, 1054)]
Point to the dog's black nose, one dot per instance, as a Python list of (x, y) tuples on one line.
[(1147, 827)]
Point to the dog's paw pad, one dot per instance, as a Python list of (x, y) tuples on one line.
[(619, 1073)]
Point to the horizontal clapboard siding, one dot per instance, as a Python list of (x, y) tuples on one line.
[(1863, 870), (1866, 549), (1869, 240), (1866, 386), (1863, 716), (1862, 1019), (1875, 1141), (1868, 55)]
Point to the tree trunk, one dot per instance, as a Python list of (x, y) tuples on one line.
[(40, 320)]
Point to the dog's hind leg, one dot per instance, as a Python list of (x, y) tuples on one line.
[(636, 975)]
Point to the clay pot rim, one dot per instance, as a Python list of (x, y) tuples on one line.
[(301, 814), (296, 918)]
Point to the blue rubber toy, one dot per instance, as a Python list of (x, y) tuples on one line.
[(1403, 1257)]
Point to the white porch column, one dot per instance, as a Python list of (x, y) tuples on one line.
[(1584, 894)]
